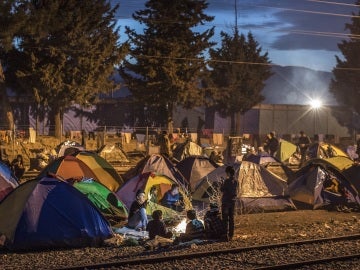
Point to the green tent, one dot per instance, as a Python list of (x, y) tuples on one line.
[(285, 151), (104, 199)]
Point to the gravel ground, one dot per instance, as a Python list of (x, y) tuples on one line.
[(251, 229)]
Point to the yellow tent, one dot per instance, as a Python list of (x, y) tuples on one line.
[(105, 173)]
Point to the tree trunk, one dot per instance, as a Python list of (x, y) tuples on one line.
[(5, 103), (170, 122), (232, 124), (58, 124)]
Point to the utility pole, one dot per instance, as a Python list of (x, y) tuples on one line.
[(236, 21)]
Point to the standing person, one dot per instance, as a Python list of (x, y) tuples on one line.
[(229, 189), (137, 215), (200, 124), (303, 144), (266, 143), (17, 166), (273, 144), (165, 144)]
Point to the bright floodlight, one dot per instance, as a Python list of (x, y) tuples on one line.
[(315, 103)]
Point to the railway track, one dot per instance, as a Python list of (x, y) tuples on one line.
[(287, 255)]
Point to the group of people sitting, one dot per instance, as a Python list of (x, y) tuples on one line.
[(215, 226), (211, 228)]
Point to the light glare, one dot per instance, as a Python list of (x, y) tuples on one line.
[(315, 103)]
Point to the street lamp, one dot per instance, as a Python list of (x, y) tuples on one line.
[(315, 105)]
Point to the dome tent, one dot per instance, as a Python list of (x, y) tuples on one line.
[(105, 200), (127, 193), (41, 218), (259, 189)]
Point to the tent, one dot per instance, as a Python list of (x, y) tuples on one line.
[(8, 175), (105, 173), (112, 153), (50, 213), (68, 148), (259, 189), (160, 165), (8, 181), (325, 150), (187, 149), (68, 167), (352, 174), (317, 187), (260, 159), (84, 165), (194, 168), (127, 193), (339, 162), (271, 164), (285, 151), (104, 199)]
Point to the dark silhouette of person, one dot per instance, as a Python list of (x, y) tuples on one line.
[(303, 144), (271, 144), (17, 166), (200, 124), (229, 189)]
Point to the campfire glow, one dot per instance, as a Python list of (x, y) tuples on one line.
[(180, 228)]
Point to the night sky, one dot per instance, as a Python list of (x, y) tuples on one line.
[(294, 32)]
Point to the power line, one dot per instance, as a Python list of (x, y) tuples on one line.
[(311, 11), (307, 11), (333, 3), (227, 61)]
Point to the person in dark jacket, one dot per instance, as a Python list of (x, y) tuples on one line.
[(137, 215), (214, 226), (303, 145), (229, 189), (156, 226), (273, 144)]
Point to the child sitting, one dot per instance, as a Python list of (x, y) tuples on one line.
[(194, 228), (214, 226), (158, 233), (156, 226)]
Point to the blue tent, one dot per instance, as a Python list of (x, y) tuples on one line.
[(7, 174), (319, 187), (50, 213)]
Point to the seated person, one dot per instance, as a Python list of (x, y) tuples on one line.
[(156, 226), (153, 194), (194, 228), (171, 198), (214, 226), (137, 215)]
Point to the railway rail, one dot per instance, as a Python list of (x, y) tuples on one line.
[(273, 256)]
